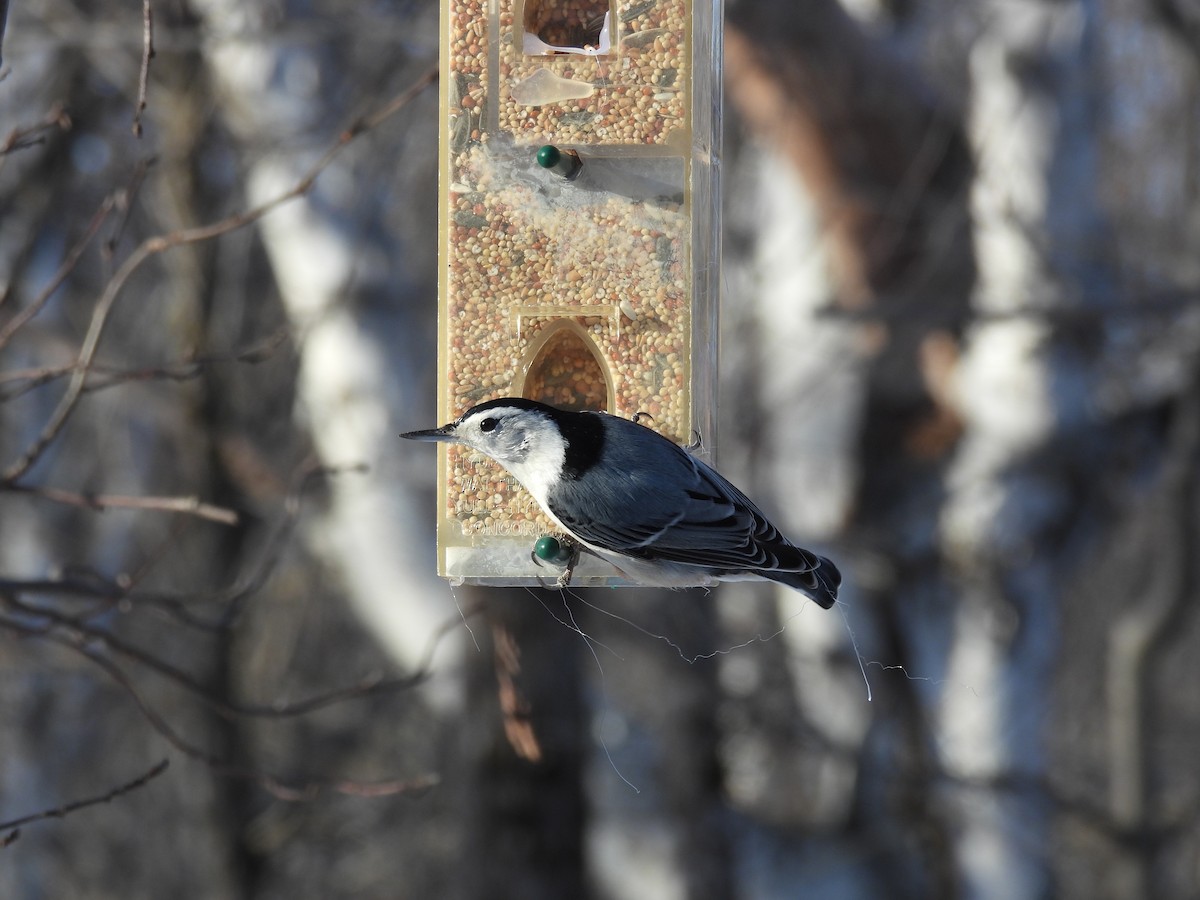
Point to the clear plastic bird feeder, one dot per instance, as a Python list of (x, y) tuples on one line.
[(579, 239)]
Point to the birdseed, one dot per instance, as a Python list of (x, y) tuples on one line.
[(576, 294)]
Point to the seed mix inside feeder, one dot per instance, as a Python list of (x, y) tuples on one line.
[(579, 239)]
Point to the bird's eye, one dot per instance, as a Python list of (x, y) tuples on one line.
[(488, 425)]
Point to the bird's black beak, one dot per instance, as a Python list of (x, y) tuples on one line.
[(445, 434)]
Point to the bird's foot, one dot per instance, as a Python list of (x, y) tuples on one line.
[(559, 551)]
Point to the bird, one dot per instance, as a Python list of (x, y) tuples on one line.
[(627, 494)]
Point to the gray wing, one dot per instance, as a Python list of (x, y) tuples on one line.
[(655, 501)]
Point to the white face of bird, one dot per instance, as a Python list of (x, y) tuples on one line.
[(525, 442)]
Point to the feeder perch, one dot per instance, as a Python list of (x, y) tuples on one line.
[(579, 239)]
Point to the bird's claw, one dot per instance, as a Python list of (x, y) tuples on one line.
[(697, 439), (572, 550), (564, 579)]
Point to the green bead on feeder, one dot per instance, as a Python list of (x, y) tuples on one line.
[(552, 550), (564, 163)]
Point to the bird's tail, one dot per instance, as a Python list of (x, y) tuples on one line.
[(820, 582)]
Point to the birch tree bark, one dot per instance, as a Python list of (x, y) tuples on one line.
[(357, 310), (955, 459), (1020, 387)]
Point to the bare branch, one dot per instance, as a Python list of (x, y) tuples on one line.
[(144, 75), (302, 790), (68, 266), (75, 631), (102, 377), (31, 135), (191, 506), (68, 808), (161, 243), (234, 596), (121, 200), (124, 205), (90, 586)]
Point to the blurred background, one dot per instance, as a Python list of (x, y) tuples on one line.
[(960, 336)]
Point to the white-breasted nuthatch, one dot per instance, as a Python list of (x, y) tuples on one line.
[(632, 497)]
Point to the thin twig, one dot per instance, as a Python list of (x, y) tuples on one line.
[(68, 265), (108, 593), (68, 808), (190, 506), (161, 243), (156, 554), (102, 377), (30, 135), (122, 201), (94, 586), (91, 586), (302, 790), (76, 632), (234, 597), (124, 205), (144, 75)]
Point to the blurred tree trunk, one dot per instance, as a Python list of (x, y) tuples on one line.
[(533, 694), (524, 749), (1162, 528), (357, 310), (969, 389), (661, 823), (1022, 387), (887, 171)]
